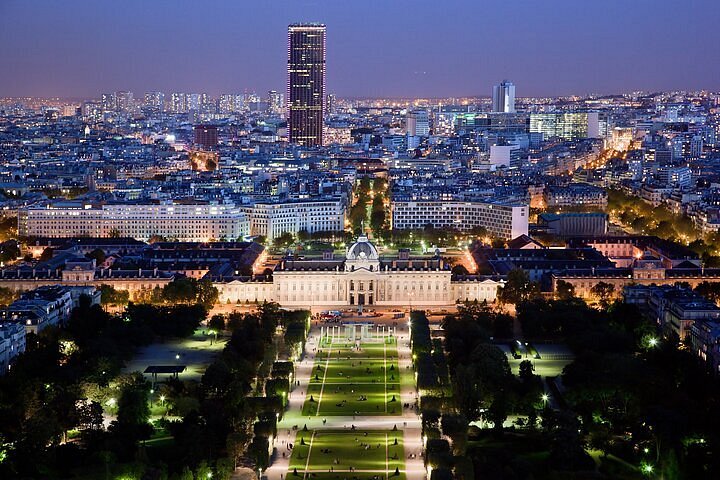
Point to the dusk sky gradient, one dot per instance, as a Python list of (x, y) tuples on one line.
[(391, 48)]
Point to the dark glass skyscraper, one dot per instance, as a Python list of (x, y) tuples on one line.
[(306, 83)]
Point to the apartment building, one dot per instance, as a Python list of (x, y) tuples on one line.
[(12, 344), (273, 219), (178, 221), (502, 220)]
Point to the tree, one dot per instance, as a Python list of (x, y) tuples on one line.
[(258, 452), (203, 471), (709, 290), (46, 254), (207, 294), (181, 290), (110, 296), (235, 445), (603, 291), (224, 468), (564, 290), (460, 269), (133, 414), (9, 250), (357, 215), (377, 221), (303, 235), (518, 287), (217, 323), (156, 239), (497, 412), (98, 255), (7, 296), (455, 427), (284, 240)]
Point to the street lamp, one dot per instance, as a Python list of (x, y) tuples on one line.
[(545, 397)]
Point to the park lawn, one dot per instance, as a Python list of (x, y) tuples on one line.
[(370, 453), (344, 399), (345, 349), (356, 371), (354, 475), (347, 381)]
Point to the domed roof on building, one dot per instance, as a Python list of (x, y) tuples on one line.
[(362, 249)]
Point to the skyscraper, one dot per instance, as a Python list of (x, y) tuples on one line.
[(306, 83), (124, 100), (275, 102), (503, 99)]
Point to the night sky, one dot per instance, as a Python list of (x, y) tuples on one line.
[(80, 48)]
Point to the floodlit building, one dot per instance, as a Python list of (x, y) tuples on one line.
[(502, 220), (273, 219), (181, 221), (566, 125), (361, 278)]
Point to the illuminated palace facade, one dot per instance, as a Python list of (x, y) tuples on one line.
[(362, 278)]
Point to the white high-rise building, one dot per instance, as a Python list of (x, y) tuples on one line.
[(275, 102), (125, 101), (154, 100), (178, 103), (417, 123), (503, 97)]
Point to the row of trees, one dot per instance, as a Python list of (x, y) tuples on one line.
[(643, 218), (519, 288), (220, 427), (182, 290), (249, 414), (374, 193), (428, 380)]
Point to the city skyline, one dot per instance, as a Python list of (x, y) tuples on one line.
[(380, 50)]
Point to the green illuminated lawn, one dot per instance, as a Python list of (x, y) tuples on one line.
[(370, 454), (346, 381)]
